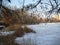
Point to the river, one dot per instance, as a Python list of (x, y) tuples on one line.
[(46, 34)]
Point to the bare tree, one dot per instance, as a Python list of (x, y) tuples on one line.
[(1, 6), (54, 7), (54, 4), (31, 6)]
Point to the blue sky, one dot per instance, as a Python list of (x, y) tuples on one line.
[(19, 3)]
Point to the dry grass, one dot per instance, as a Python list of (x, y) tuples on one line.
[(19, 32), (14, 20), (7, 40), (17, 16)]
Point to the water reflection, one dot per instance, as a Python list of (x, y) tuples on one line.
[(46, 34)]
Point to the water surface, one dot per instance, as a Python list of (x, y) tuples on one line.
[(46, 34)]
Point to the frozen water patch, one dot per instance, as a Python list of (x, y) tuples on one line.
[(46, 34), (28, 39), (6, 33)]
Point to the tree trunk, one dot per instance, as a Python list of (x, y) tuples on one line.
[(0, 8)]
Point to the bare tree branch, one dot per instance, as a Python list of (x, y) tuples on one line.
[(56, 7), (31, 6), (9, 0)]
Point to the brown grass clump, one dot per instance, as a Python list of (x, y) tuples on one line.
[(19, 32), (27, 30), (7, 40), (16, 16), (14, 19)]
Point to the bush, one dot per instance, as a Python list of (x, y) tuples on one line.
[(7, 40), (19, 32)]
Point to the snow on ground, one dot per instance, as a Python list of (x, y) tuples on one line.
[(46, 34), (6, 33)]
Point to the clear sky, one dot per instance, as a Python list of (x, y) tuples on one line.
[(19, 3)]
